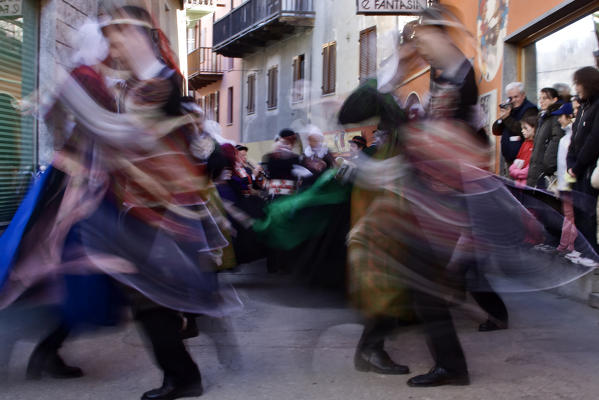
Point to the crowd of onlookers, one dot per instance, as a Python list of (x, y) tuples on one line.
[(555, 148)]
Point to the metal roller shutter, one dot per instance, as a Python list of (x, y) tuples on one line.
[(18, 78)]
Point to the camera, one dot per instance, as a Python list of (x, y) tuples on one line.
[(506, 104)]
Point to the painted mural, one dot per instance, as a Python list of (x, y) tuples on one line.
[(491, 31)]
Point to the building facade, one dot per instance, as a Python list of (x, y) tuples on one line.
[(213, 79), (301, 58)]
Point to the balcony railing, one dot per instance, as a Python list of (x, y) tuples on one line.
[(204, 66), (254, 15)]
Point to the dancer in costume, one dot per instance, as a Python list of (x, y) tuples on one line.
[(152, 228)]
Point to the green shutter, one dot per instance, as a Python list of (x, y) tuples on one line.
[(18, 78)]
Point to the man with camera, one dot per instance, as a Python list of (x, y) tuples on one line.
[(511, 113)]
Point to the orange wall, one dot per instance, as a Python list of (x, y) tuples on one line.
[(521, 12)]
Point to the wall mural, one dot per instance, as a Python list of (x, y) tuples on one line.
[(491, 31)]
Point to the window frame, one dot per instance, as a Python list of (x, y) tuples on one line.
[(230, 104), (251, 99), (329, 68), (272, 98), (299, 68), (368, 54)]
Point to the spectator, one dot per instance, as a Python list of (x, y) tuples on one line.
[(543, 162), (563, 92), (584, 152), (519, 168), (356, 145), (316, 158), (508, 124), (569, 232)]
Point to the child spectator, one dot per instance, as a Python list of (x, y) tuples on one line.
[(569, 232), (519, 168)]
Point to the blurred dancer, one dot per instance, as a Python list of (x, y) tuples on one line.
[(154, 229)]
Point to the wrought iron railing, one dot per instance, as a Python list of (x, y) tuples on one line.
[(204, 61), (255, 12)]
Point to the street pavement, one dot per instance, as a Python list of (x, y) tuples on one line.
[(292, 343)]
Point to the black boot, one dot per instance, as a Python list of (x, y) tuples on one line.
[(378, 360), (190, 327), (172, 390), (370, 354), (489, 326), (438, 376), (45, 359), (42, 363)]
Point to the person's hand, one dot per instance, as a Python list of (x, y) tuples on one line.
[(571, 173), (504, 112)]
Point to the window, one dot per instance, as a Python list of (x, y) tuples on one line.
[(367, 54), (329, 67), (217, 106), (211, 103), (555, 58), (271, 101), (191, 39), (230, 105), (298, 79), (231, 63), (251, 103)]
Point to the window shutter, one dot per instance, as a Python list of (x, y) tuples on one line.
[(325, 69), (333, 67), (275, 87), (216, 106), (367, 53), (18, 72)]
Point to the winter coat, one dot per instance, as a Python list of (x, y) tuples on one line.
[(562, 152), (584, 146), (544, 155), (520, 173)]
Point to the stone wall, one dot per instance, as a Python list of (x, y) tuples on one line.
[(59, 20)]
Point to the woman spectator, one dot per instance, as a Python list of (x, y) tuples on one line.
[(543, 162), (584, 152), (520, 166)]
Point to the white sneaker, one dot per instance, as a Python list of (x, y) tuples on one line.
[(573, 256), (587, 262)]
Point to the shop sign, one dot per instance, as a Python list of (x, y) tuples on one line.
[(10, 8), (390, 7)]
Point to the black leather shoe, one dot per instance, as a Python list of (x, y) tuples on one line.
[(41, 364), (439, 376), (377, 360), (489, 326), (169, 391)]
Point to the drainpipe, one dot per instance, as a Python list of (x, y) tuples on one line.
[(241, 108)]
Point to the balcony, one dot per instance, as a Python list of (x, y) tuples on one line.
[(196, 9), (205, 67), (257, 22)]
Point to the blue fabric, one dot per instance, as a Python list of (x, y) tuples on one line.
[(10, 241), (92, 300)]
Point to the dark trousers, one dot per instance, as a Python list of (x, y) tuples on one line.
[(375, 332), (441, 336), (53, 342), (492, 304), (162, 327)]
